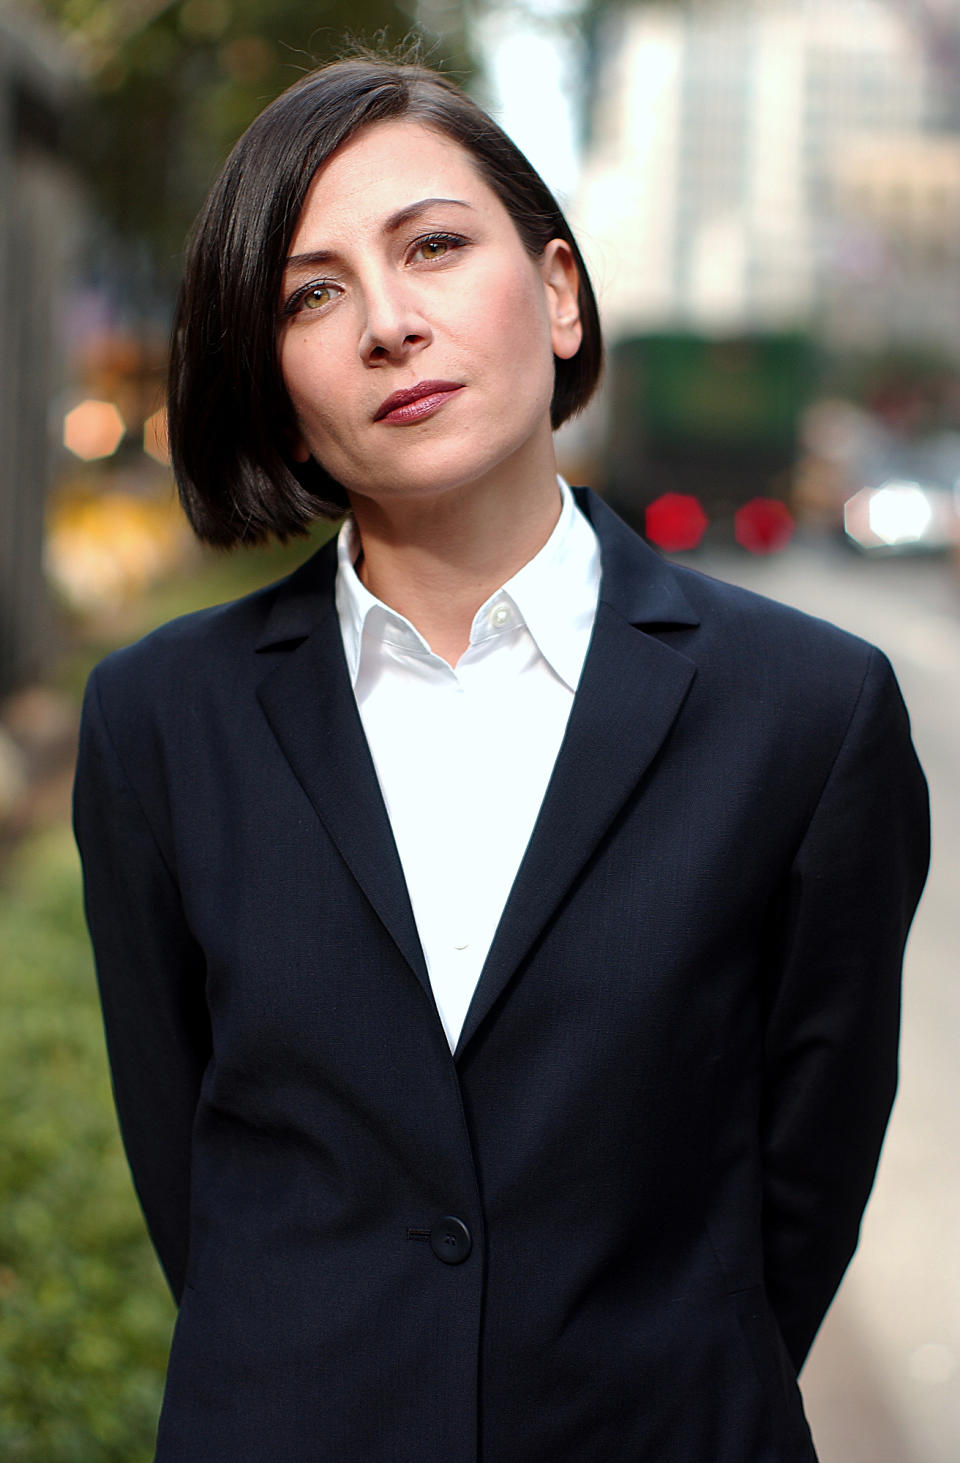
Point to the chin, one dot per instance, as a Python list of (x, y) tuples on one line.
[(429, 479)]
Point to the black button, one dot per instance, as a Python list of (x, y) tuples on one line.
[(450, 1240)]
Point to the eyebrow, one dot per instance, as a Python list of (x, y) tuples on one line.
[(391, 225)]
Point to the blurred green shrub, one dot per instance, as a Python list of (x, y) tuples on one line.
[(85, 1316)]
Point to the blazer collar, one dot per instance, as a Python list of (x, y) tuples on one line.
[(630, 693), (302, 601), (636, 582)]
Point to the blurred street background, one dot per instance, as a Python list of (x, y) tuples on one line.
[(768, 196)]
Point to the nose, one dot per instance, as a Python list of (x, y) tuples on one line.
[(394, 326)]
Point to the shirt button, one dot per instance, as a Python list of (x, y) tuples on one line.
[(499, 616), (450, 1240)]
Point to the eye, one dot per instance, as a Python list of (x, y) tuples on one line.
[(315, 297), (433, 248), (436, 246), (310, 297)]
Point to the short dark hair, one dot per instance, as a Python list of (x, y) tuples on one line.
[(231, 422)]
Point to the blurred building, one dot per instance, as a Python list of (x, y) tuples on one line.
[(897, 224), (772, 165), (36, 207)]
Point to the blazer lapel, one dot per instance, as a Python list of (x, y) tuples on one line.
[(630, 694), (309, 703)]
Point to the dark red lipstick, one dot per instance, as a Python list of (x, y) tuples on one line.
[(413, 403)]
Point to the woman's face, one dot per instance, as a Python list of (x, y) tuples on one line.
[(406, 275)]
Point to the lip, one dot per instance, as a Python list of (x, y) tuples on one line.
[(413, 403)]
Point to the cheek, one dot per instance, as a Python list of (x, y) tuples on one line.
[(497, 296), (517, 309), (524, 326), (309, 381), (507, 325)]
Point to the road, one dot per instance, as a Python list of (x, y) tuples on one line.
[(883, 1382)]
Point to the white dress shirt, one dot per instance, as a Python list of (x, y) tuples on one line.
[(464, 753)]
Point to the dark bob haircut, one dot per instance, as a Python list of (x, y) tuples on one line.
[(231, 422)]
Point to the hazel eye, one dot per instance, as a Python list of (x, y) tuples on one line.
[(434, 248), (316, 297)]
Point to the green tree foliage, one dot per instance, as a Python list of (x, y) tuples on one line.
[(170, 84)]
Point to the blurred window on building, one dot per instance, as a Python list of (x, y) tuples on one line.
[(724, 122)]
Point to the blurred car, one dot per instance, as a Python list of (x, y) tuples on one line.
[(903, 515)]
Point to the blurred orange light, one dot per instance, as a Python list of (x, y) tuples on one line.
[(675, 521), (93, 429), (763, 526), (155, 441)]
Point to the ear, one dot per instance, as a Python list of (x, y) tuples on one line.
[(561, 282)]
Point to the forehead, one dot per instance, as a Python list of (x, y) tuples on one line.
[(384, 167)]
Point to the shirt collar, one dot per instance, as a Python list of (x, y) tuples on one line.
[(555, 595)]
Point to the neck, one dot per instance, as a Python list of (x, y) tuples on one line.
[(436, 559)]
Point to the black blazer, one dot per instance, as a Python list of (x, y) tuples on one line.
[(607, 1229)]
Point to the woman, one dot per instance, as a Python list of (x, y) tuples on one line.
[(498, 929)]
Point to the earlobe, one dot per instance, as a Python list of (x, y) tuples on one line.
[(562, 282)]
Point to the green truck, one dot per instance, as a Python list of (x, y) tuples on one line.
[(714, 418)]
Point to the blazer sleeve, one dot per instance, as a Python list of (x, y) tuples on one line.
[(830, 1059), (150, 973)]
